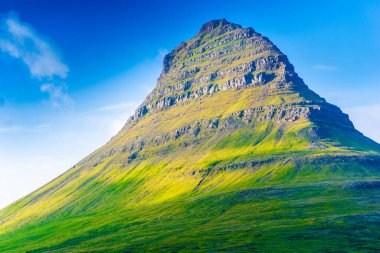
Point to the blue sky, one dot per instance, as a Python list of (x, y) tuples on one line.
[(71, 72)]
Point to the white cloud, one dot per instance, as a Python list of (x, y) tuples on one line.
[(17, 129), (57, 94), (324, 67), (21, 41), (10, 129), (116, 107), (366, 119)]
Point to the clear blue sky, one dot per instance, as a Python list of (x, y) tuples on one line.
[(71, 72)]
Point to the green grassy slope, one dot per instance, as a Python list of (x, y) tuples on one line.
[(213, 162), (319, 218)]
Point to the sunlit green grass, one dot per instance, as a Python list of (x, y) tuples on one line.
[(282, 219)]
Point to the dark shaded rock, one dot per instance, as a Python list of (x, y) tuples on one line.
[(214, 123), (132, 157)]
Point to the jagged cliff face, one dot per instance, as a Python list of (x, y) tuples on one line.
[(221, 57), (229, 114), (228, 77)]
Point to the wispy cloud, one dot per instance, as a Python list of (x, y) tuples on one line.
[(21, 41), (57, 93), (324, 67), (16, 129), (10, 129), (115, 107)]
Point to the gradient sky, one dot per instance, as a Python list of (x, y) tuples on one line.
[(71, 72)]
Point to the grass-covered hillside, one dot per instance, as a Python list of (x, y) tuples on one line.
[(230, 152)]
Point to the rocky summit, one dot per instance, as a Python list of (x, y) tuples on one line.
[(231, 151)]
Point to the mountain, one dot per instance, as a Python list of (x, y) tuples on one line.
[(231, 151)]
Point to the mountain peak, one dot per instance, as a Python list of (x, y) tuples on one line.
[(230, 128), (222, 24)]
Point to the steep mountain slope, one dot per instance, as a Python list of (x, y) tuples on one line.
[(230, 151)]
